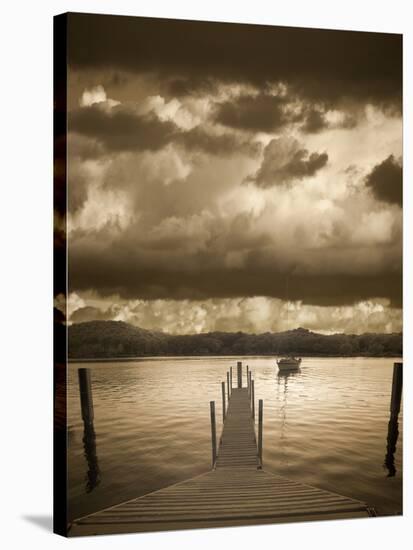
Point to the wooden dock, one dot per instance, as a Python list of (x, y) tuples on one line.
[(237, 491), (238, 446)]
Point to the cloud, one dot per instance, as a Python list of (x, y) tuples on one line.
[(121, 129), (257, 314), (315, 122), (81, 147), (188, 87), (385, 181), (285, 160), (201, 257), (77, 189), (84, 180), (185, 116), (186, 189), (227, 144), (93, 95), (91, 313), (149, 126), (194, 232), (326, 65), (260, 113)]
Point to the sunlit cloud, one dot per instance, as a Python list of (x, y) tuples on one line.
[(254, 315)]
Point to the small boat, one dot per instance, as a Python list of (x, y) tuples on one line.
[(289, 363)]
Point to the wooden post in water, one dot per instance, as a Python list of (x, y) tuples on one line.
[(230, 377), (396, 392), (213, 432), (86, 400), (249, 384), (223, 400), (239, 372), (393, 427), (252, 400), (228, 392), (260, 417), (246, 370), (89, 436)]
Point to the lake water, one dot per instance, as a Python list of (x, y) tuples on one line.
[(326, 425)]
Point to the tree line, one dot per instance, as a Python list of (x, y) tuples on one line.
[(104, 339)]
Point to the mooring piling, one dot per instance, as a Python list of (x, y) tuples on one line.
[(252, 399), (86, 399), (396, 392), (223, 400), (260, 419), (228, 391), (239, 373), (393, 426), (230, 377), (89, 436), (213, 432)]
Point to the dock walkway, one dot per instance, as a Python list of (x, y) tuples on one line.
[(235, 492), (238, 446)]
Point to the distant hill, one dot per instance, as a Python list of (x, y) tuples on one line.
[(104, 339)]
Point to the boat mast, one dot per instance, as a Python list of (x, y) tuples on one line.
[(288, 302)]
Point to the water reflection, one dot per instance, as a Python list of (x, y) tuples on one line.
[(283, 377), (392, 437), (89, 447), (393, 429), (286, 374), (89, 435), (282, 383)]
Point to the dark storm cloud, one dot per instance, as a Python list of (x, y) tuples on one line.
[(198, 258), (286, 160), (385, 181), (77, 191), (121, 272), (224, 144), (255, 113), (121, 129), (269, 113), (180, 87), (314, 122), (82, 147), (318, 64)]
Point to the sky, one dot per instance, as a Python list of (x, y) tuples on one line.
[(233, 177)]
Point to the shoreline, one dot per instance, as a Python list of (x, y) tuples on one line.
[(168, 357)]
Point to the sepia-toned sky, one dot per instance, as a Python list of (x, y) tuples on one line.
[(211, 166)]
